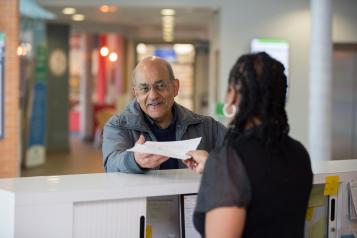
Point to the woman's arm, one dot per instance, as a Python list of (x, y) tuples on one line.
[(225, 222)]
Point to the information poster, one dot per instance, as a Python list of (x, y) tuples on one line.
[(36, 153), (2, 80)]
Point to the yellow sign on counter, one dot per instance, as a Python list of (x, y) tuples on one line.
[(148, 231), (331, 185)]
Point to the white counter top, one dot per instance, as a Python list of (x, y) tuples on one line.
[(99, 186), (91, 187), (346, 169), (334, 166)]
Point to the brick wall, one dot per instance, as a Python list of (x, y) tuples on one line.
[(10, 144)]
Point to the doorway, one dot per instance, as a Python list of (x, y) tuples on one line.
[(344, 102)]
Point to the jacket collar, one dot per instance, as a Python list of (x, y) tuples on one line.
[(133, 117)]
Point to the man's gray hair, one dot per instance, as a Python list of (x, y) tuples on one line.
[(171, 72)]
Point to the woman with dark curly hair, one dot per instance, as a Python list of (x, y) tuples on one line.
[(258, 183)]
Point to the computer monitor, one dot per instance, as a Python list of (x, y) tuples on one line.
[(187, 207)]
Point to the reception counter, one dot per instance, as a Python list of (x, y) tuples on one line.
[(116, 204), (85, 205)]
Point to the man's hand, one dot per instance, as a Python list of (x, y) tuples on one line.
[(148, 161), (198, 160)]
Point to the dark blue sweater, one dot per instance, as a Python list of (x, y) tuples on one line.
[(167, 134)]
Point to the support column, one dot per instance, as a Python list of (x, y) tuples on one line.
[(85, 91), (101, 80), (213, 71), (10, 142), (320, 80)]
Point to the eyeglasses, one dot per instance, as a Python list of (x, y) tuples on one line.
[(159, 86)]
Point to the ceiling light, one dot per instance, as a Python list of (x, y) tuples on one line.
[(167, 12), (78, 17), (113, 57), (168, 39), (167, 33), (69, 10), (168, 26), (141, 48), (104, 51), (104, 8), (107, 8), (168, 19)]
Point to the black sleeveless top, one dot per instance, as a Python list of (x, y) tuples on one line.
[(273, 186)]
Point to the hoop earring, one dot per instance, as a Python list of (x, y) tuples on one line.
[(229, 115)]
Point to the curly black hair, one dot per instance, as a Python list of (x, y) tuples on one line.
[(262, 85)]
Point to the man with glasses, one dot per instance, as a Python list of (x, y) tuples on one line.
[(154, 116)]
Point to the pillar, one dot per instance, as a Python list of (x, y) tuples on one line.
[(320, 80)]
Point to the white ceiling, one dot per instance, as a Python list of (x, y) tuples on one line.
[(191, 23)]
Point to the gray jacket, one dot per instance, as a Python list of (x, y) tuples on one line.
[(123, 130)]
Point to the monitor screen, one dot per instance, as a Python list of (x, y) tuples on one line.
[(187, 207), (276, 48)]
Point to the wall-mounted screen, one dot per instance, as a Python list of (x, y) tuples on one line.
[(276, 48), (2, 80)]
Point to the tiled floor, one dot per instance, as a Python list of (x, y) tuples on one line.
[(83, 158)]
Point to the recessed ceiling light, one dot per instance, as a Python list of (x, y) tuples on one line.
[(104, 8), (107, 8), (78, 17), (168, 12), (168, 34), (113, 57), (104, 51), (141, 48), (168, 39), (69, 10), (165, 29), (168, 19)]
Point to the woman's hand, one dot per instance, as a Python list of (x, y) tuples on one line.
[(197, 160)]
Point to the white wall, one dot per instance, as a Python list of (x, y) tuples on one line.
[(344, 21), (241, 21)]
